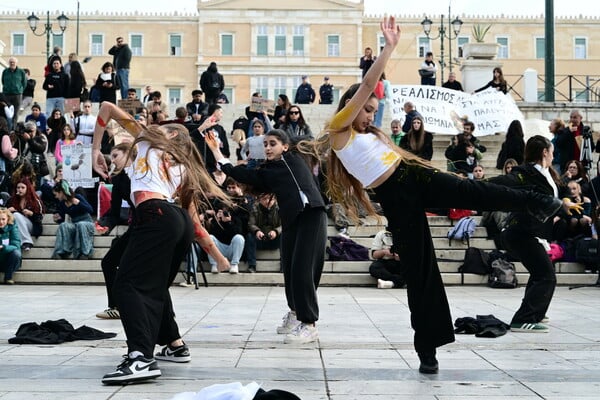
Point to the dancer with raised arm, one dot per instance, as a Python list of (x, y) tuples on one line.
[(363, 156), (168, 186)]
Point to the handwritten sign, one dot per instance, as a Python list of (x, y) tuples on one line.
[(442, 109), (130, 106), (72, 105), (259, 104), (77, 165)]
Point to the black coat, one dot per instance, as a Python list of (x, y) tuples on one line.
[(426, 152), (207, 155)]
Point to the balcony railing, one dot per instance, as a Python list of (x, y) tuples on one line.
[(569, 88)]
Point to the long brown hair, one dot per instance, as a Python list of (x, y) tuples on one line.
[(342, 187), (197, 186), (416, 139)]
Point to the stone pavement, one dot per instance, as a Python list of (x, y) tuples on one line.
[(365, 349)]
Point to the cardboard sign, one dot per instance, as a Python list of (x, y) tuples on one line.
[(72, 105), (130, 106), (259, 104)]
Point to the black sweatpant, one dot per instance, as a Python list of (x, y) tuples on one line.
[(110, 264), (160, 237), (404, 197), (542, 278), (302, 258), (388, 270)]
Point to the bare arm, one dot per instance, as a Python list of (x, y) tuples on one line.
[(107, 112), (391, 33)]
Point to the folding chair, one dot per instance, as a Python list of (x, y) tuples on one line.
[(193, 262)]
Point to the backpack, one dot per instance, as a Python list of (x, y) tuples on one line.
[(241, 123), (503, 274), (587, 252), (215, 82), (476, 262), (344, 249), (379, 90), (463, 230)]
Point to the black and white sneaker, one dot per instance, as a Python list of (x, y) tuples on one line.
[(130, 370), (179, 354)]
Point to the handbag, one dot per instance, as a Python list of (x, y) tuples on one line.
[(425, 73)]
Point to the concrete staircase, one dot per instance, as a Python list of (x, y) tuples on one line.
[(39, 268)]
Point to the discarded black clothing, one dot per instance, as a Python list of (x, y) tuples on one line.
[(482, 326), (275, 394), (56, 332)]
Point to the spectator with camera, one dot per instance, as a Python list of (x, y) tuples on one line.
[(264, 228), (31, 142), (226, 232)]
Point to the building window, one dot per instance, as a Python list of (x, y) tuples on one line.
[(58, 40), (135, 42), (540, 47), (279, 86), (580, 48), (460, 42), (280, 42), (298, 40), (262, 41), (97, 45), (174, 95), (541, 95), (229, 93), (175, 45), (424, 46), (582, 96), (503, 49), (18, 44), (227, 44), (262, 86), (333, 45), (380, 43)]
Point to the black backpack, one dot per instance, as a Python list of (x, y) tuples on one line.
[(241, 123), (476, 262), (503, 274)]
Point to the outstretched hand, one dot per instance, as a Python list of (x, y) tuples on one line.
[(572, 206), (390, 30), (99, 164), (211, 140)]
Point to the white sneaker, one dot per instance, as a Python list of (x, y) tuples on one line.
[(381, 284), (214, 269), (303, 333), (234, 269), (288, 323), (344, 233)]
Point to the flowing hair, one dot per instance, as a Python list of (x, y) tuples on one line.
[(197, 186), (342, 187)]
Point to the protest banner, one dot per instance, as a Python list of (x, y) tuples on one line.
[(72, 105), (258, 104), (130, 106), (443, 109), (77, 165)]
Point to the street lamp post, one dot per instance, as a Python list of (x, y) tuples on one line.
[(62, 23), (456, 25)]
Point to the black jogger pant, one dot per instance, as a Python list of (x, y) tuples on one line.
[(404, 197), (160, 237), (302, 258)]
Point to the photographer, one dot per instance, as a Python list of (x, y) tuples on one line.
[(225, 230), (30, 142), (264, 228)]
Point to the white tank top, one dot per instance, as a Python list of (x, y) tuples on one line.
[(366, 157), (148, 173)]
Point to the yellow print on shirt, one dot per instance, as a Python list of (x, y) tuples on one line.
[(389, 158), (141, 165)]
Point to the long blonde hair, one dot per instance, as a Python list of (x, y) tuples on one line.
[(342, 187), (197, 186)]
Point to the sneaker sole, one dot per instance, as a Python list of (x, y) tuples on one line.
[(174, 359), (530, 328), (121, 380)]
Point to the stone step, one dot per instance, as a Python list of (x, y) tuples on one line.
[(272, 265), (275, 278)]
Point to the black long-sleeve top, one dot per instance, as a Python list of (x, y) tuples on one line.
[(275, 177)]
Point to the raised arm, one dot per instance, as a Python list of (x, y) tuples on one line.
[(391, 33), (108, 111)]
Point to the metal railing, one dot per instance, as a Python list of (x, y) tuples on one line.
[(570, 88)]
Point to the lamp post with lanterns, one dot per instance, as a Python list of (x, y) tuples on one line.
[(443, 34), (33, 24)]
